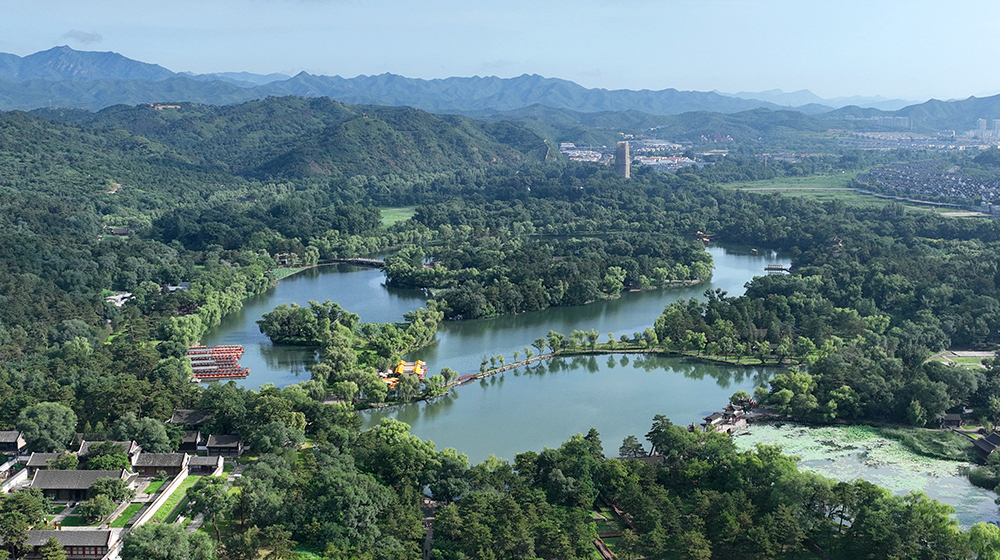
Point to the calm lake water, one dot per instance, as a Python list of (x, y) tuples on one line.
[(525, 409)]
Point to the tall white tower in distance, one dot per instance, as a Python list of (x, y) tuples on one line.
[(623, 162)]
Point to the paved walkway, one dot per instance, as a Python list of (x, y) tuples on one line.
[(63, 514), (196, 523), (971, 354), (237, 472)]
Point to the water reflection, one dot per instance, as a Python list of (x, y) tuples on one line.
[(544, 404), (294, 359)]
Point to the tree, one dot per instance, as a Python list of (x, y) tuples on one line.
[(694, 546), (450, 375), (915, 414), (47, 426), (631, 447), (984, 539), (52, 550), (161, 541), (555, 341), (114, 488), (248, 544), (96, 508), (210, 497), (539, 344), (738, 396), (149, 433), (14, 528), (345, 390), (66, 461), (274, 437), (649, 337), (106, 456), (408, 387), (628, 545)]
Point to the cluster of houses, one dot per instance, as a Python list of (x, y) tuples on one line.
[(197, 455)]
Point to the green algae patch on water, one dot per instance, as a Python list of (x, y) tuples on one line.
[(849, 453), (848, 449)]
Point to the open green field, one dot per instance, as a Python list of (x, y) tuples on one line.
[(175, 499), (948, 358), (836, 181), (126, 515), (821, 188), (826, 188), (391, 215), (279, 273), (154, 486)]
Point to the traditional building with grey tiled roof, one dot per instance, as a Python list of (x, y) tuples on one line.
[(224, 445), (151, 464), (71, 485), (12, 442), (77, 544)]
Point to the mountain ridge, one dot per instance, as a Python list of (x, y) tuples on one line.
[(64, 77)]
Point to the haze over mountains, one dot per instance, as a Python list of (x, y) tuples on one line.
[(67, 78), (804, 97), (96, 82)]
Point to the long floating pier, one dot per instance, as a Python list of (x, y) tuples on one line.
[(216, 362)]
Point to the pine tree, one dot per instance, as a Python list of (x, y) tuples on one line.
[(52, 550)]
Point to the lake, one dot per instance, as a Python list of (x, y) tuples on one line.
[(527, 408), (543, 404)]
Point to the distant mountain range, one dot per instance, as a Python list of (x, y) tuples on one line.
[(804, 98), (66, 78)]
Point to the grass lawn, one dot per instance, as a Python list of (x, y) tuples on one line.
[(77, 521), (126, 515), (57, 509), (834, 181), (175, 499), (967, 360), (391, 215), (279, 273), (154, 486), (824, 188)]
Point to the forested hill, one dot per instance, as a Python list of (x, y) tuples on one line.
[(958, 115), (295, 137), (785, 128)]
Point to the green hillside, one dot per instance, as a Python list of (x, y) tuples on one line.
[(295, 137)]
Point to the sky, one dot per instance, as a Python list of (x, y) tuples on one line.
[(907, 49)]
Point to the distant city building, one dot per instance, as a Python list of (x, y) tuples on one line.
[(894, 122), (623, 162)]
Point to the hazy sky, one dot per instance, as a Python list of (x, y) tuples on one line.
[(911, 49)]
